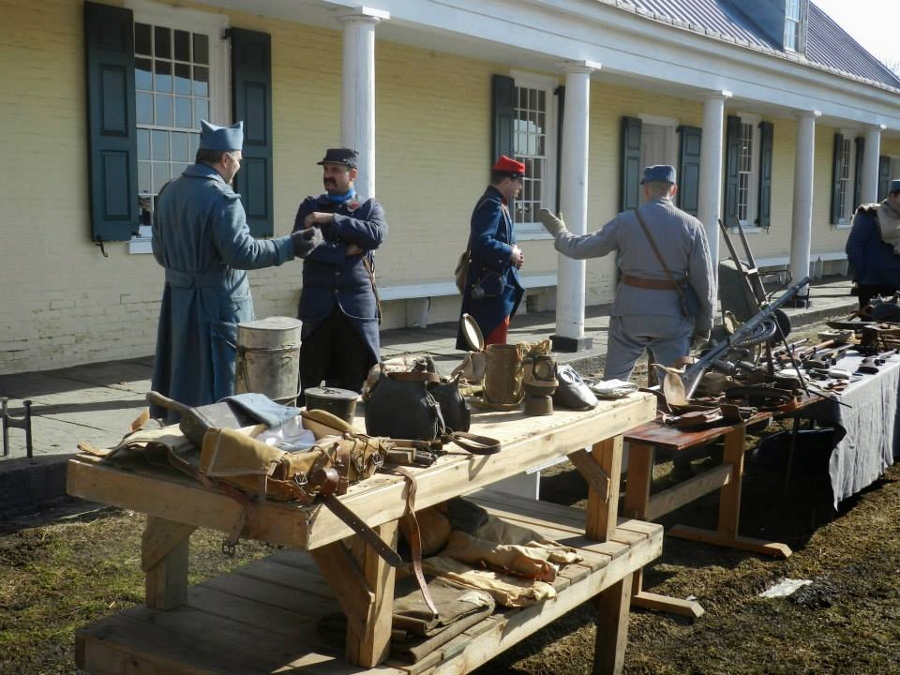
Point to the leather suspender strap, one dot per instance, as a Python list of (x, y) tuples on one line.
[(661, 261), (415, 536), (368, 265)]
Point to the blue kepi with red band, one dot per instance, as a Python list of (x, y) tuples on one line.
[(509, 167)]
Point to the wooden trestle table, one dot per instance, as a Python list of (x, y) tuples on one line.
[(726, 477), (226, 625)]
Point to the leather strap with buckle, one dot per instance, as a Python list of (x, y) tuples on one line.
[(653, 284)]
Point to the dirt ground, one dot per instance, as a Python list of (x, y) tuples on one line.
[(75, 562)]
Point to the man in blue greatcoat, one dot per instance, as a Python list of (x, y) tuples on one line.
[(339, 305), (493, 290), (201, 238)]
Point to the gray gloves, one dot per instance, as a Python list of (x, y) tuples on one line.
[(553, 224), (305, 241), (699, 339)]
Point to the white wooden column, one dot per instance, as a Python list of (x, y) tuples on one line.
[(869, 193), (358, 91), (709, 209), (573, 197), (801, 224)]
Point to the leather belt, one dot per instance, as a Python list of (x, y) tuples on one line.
[(654, 284)]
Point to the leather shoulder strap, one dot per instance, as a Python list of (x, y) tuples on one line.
[(659, 255)]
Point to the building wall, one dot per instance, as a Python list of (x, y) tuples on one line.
[(64, 303)]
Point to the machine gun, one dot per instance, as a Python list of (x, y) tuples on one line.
[(694, 373)]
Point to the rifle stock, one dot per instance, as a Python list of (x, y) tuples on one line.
[(693, 374)]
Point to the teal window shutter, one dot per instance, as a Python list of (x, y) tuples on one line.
[(836, 178), (688, 194), (732, 167), (884, 177), (630, 167), (766, 145), (860, 159), (251, 83), (503, 108), (112, 132)]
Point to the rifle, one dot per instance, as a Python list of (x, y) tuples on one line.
[(693, 374)]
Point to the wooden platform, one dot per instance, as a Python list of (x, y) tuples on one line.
[(264, 618)]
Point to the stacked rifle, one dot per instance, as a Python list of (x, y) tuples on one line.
[(763, 370)]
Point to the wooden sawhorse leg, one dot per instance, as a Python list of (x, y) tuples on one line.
[(164, 560), (730, 507), (637, 502), (364, 586)]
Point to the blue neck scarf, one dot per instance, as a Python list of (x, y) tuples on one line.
[(342, 199)]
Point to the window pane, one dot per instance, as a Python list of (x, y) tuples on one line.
[(162, 47), (182, 45), (183, 112), (201, 111), (163, 79), (160, 146), (143, 78), (182, 78), (142, 39), (181, 146), (165, 110), (160, 175), (201, 81), (144, 108), (143, 144), (144, 177), (195, 143), (201, 49)]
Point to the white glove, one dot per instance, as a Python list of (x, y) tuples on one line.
[(553, 224)]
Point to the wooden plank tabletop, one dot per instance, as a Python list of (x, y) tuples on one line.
[(525, 442), (662, 435)]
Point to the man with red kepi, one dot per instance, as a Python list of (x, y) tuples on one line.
[(493, 290)]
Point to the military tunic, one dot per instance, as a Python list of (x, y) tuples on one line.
[(644, 317), (491, 241), (201, 238), (335, 281)]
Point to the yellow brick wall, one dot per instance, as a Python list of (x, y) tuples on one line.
[(72, 305)]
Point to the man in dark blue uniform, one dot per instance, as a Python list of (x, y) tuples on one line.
[(493, 290), (201, 238), (338, 304)]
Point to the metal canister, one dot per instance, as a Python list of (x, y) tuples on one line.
[(503, 375), (339, 402)]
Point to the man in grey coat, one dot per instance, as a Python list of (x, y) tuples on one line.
[(201, 238), (648, 310)]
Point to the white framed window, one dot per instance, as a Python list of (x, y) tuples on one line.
[(793, 25), (534, 138), (845, 180), (748, 172), (181, 75)]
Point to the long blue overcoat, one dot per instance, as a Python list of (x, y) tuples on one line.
[(201, 238), (873, 260), (334, 280), (491, 241)]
